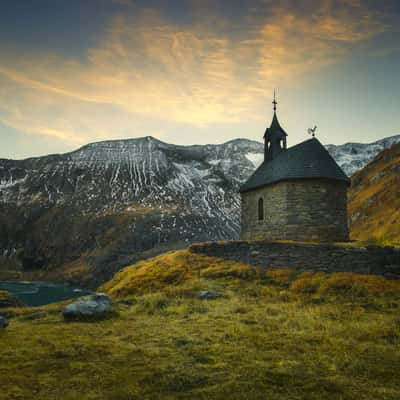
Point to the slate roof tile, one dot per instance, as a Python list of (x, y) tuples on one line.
[(308, 159)]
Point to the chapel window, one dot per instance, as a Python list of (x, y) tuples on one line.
[(260, 209)]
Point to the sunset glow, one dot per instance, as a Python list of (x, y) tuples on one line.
[(195, 71)]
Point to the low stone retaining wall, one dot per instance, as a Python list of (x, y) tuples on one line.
[(307, 257)]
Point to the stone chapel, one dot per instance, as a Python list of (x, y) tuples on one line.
[(297, 193)]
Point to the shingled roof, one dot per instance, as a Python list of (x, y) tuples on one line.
[(305, 160)]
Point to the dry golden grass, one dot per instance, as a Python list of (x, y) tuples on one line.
[(172, 268), (278, 335), (345, 283), (374, 200)]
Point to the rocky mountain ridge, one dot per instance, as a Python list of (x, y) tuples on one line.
[(354, 156), (112, 201), (108, 204)]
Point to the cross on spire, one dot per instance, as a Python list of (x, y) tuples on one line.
[(274, 102)]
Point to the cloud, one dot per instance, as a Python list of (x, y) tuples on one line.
[(146, 71)]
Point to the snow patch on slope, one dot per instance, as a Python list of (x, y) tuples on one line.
[(255, 158), (354, 156)]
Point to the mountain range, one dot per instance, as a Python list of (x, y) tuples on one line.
[(83, 215), (354, 156)]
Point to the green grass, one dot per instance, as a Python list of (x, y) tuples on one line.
[(274, 335)]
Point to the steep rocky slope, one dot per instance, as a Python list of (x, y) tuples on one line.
[(83, 215), (374, 198), (108, 203), (354, 156)]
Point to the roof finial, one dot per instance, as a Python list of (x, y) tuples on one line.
[(274, 102)]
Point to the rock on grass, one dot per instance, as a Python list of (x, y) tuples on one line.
[(208, 295), (90, 308)]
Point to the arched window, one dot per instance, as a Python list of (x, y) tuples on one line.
[(260, 209)]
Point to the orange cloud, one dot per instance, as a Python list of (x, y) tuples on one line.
[(148, 68)]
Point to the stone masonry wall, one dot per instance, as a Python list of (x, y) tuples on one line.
[(307, 257), (313, 209)]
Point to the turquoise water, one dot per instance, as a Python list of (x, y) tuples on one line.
[(41, 293)]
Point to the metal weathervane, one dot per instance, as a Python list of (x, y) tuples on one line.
[(311, 131)]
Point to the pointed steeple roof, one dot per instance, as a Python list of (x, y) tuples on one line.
[(274, 137), (275, 127)]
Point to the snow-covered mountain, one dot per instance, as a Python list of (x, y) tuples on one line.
[(354, 156), (142, 172), (110, 203), (115, 200)]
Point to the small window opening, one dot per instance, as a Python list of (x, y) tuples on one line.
[(260, 209)]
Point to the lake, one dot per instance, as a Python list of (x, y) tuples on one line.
[(41, 293)]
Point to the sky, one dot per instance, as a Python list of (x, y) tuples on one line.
[(195, 71)]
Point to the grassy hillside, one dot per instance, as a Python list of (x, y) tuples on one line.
[(374, 199), (273, 335)]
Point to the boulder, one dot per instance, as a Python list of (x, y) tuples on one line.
[(208, 295), (90, 308), (3, 322)]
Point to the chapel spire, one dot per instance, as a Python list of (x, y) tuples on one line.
[(274, 136)]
